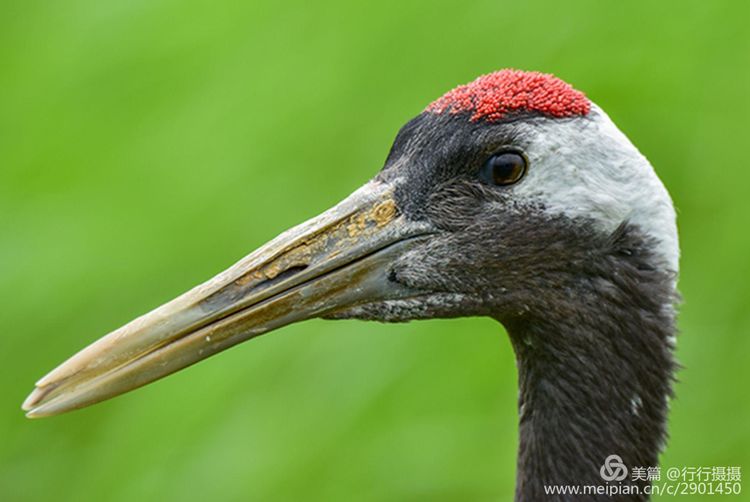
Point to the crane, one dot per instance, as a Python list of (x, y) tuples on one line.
[(513, 197)]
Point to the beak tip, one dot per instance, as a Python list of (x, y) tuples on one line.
[(38, 412), (32, 402), (36, 409), (29, 401)]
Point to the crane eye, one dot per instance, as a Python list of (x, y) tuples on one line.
[(503, 168)]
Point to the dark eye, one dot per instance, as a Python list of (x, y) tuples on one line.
[(503, 169)]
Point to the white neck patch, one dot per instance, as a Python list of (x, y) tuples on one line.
[(587, 167)]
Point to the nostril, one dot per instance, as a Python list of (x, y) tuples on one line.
[(392, 276)]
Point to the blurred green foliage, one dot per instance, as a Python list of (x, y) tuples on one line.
[(144, 146)]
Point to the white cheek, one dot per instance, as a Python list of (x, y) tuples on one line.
[(589, 168)]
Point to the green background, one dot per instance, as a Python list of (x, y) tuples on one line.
[(146, 145)]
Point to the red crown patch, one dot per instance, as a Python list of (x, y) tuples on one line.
[(493, 96)]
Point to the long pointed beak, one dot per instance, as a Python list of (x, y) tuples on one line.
[(334, 261)]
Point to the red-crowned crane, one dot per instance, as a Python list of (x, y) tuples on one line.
[(513, 197)]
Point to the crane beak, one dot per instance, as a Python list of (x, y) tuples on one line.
[(334, 261)]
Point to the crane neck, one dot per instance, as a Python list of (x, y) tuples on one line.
[(595, 376)]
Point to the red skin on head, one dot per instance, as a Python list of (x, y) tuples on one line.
[(493, 96)]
